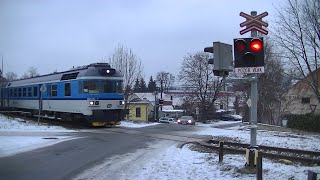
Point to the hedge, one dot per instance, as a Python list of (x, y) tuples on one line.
[(306, 122)]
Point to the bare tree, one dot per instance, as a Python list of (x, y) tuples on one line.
[(271, 86), (31, 72), (166, 79), (202, 86), (298, 35), (10, 76), (129, 65)]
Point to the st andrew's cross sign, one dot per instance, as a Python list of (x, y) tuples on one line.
[(254, 23)]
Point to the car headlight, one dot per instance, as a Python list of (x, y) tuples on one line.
[(91, 103), (189, 121)]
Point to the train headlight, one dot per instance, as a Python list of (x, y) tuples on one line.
[(96, 103), (121, 103), (91, 103)]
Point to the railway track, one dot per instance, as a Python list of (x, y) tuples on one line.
[(303, 156)]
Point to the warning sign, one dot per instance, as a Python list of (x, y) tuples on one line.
[(249, 70)]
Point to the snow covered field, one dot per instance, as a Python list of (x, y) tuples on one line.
[(165, 160)]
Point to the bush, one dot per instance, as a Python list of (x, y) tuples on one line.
[(306, 122)]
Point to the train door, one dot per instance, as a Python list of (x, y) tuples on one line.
[(42, 89), (7, 96), (2, 97), (40, 97)]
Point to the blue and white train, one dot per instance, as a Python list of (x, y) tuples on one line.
[(93, 93)]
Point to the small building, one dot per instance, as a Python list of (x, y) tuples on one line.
[(139, 110), (300, 98), (145, 104)]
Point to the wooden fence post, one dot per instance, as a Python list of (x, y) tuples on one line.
[(312, 175), (220, 151), (259, 165)]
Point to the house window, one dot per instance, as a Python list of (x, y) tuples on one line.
[(305, 100), (67, 89), (138, 112), (221, 106)]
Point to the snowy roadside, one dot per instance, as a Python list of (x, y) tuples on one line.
[(18, 135), (167, 161), (268, 138)]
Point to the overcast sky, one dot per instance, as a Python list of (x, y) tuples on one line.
[(58, 34)]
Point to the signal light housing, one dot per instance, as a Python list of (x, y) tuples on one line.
[(248, 52)]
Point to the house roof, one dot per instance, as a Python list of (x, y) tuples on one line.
[(303, 84)]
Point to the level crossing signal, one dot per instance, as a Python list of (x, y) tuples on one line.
[(248, 52)]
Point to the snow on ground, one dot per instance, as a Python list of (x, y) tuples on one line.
[(132, 124), (18, 135), (18, 124), (164, 160), (269, 138), (175, 163)]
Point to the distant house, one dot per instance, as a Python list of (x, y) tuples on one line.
[(141, 106), (300, 98), (139, 110)]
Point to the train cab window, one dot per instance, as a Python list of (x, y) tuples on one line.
[(19, 92), (107, 87), (119, 87), (54, 90), (90, 87), (35, 91), (11, 92), (29, 92), (67, 89)]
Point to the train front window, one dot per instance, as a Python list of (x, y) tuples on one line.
[(107, 87), (91, 87), (111, 86), (119, 87)]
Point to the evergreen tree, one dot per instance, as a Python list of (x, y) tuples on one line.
[(152, 86), (142, 86), (136, 87)]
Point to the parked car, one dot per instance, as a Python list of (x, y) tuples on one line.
[(237, 117), (231, 117), (172, 120), (167, 120), (164, 120), (186, 120)]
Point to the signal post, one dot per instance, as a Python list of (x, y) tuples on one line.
[(249, 59)]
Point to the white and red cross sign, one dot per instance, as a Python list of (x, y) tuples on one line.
[(254, 23)]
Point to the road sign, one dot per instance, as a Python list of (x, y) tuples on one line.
[(249, 102), (254, 23), (43, 88), (249, 70)]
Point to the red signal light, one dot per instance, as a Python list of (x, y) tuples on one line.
[(256, 45), (240, 45)]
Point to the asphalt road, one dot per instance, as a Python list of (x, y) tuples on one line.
[(67, 159)]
